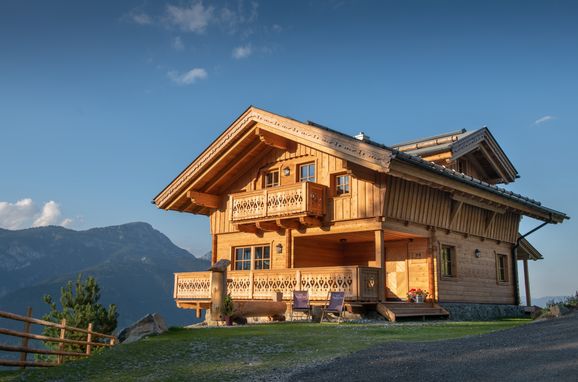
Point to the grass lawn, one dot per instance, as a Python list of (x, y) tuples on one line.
[(239, 352)]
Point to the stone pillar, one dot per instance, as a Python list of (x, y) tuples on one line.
[(527, 283), (218, 288)]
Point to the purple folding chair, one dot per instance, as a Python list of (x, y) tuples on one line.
[(300, 303), (336, 302)]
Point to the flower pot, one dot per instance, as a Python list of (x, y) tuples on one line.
[(419, 299)]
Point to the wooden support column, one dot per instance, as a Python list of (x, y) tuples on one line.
[(434, 281), (527, 283), (380, 261), (214, 250), (288, 248)]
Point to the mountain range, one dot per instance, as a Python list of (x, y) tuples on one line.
[(133, 264)]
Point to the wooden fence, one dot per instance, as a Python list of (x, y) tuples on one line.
[(91, 341)]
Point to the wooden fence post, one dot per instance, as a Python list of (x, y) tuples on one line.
[(24, 355), (88, 338), (60, 358)]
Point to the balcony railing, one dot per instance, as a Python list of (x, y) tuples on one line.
[(358, 283), (301, 199)]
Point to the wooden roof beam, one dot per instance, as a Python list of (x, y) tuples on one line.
[(478, 203), (273, 140), (204, 200)]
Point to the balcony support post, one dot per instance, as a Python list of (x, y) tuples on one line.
[(380, 261)]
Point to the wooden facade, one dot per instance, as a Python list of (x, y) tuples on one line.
[(299, 206)]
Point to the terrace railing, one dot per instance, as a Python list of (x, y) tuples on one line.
[(359, 283)]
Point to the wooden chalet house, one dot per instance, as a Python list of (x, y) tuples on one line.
[(298, 206)]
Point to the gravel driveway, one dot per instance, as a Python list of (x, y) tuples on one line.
[(543, 350)]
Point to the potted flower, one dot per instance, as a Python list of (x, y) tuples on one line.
[(227, 309), (417, 295)]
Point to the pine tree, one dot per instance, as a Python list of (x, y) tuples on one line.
[(79, 307)]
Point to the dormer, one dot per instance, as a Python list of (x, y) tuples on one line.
[(475, 153)]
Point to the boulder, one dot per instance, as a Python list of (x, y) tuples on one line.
[(558, 310), (146, 326)]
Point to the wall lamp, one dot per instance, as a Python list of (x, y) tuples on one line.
[(286, 171), (477, 253), (279, 248)]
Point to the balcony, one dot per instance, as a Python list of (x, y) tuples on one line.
[(305, 199), (359, 283)]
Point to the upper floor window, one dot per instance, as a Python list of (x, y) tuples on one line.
[(307, 172), (502, 268), (254, 257), (448, 261), (342, 184), (272, 179)]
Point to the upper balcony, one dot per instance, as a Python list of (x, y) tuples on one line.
[(304, 201)]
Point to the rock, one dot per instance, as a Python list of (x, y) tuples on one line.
[(149, 324), (558, 310)]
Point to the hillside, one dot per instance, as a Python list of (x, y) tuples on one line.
[(133, 263)]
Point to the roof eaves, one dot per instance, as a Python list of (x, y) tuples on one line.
[(476, 183)]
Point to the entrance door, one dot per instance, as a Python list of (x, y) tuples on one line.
[(396, 277)]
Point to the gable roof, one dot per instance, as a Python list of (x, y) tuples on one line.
[(257, 130), (462, 143), (249, 136)]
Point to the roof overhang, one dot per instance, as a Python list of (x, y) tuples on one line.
[(250, 136), (419, 170), (527, 251)]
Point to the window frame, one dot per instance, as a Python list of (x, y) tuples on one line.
[(271, 172), (309, 176), (335, 186), (252, 261), (505, 268), (452, 275)]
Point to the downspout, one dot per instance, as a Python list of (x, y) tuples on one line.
[(515, 259)]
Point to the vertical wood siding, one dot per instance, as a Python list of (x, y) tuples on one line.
[(366, 198), (417, 203)]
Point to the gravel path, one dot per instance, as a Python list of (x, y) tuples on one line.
[(545, 350)]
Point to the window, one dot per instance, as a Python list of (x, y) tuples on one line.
[(448, 261), (272, 179), (262, 258), (342, 184), (259, 256), (502, 265), (242, 259), (307, 172)]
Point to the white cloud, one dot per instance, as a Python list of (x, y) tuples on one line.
[(24, 214), (197, 17), (194, 18), (187, 78), (242, 52), (140, 18), (543, 119), (178, 44), (49, 215)]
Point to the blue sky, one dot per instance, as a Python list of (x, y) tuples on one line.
[(103, 103)]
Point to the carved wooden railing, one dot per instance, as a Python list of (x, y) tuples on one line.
[(358, 283), (299, 199)]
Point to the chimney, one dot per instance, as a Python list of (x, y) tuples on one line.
[(362, 137)]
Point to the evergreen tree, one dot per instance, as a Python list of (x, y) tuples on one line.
[(79, 306)]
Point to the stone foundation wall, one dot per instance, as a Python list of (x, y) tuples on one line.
[(482, 312)]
